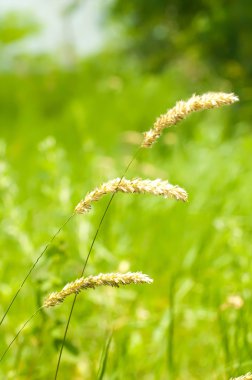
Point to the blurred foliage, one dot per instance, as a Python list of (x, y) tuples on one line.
[(215, 33), (63, 132), (16, 26)]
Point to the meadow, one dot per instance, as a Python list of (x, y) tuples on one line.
[(64, 132)]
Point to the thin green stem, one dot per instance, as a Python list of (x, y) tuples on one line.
[(87, 258), (19, 331), (64, 338), (31, 269), (171, 327), (104, 358)]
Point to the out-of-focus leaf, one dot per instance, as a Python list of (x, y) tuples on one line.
[(15, 26), (68, 345)]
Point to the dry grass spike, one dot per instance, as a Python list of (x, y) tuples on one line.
[(91, 282), (183, 108), (247, 376), (138, 185)]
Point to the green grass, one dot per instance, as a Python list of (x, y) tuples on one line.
[(62, 135)]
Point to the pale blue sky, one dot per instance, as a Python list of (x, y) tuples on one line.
[(82, 29)]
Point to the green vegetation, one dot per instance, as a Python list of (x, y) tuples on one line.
[(63, 132)]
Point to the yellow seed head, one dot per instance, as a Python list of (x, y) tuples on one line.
[(247, 376), (183, 108), (103, 279), (138, 185)]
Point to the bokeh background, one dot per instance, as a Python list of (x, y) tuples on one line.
[(79, 83)]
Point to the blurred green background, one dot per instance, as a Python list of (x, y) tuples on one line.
[(70, 121)]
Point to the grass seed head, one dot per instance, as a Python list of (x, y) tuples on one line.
[(138, 185), (91, 282), (183, 108), (247, 376)]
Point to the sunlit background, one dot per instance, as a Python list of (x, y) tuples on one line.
[(79, 83)]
